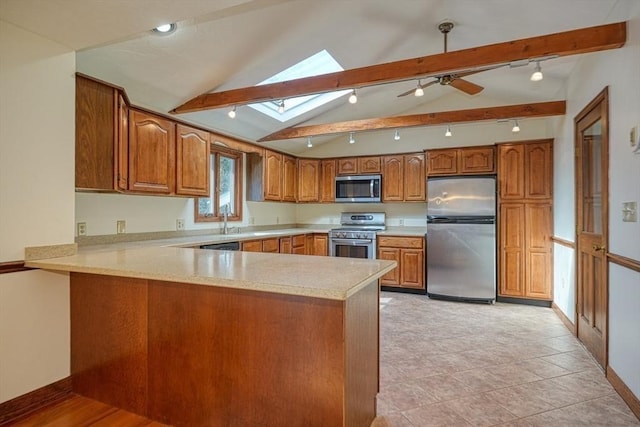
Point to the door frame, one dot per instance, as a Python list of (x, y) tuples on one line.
[(600, 101)]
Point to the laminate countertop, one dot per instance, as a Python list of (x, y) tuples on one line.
[(304, 275)]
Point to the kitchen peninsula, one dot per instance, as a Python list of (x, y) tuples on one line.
[(205, 337)]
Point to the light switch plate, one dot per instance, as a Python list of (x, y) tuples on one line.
[(121, 226), (630, 211)]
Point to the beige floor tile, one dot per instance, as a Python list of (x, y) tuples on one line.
[(479, 410), (519, 401), (591, 413), (437, 414), (393, 420)]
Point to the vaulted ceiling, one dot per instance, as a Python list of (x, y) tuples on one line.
[(229, 44)]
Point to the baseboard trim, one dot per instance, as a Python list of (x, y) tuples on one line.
[(20, 406), (526, 301), (627, 395), (567, 322)]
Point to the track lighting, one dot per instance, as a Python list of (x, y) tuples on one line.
[(165, 29), (396, 136), (281, 107), (537, 74), (309, 144), (516, 127), (353, 98), (419, 91), (351, 138), (448, 132), (232, 112)]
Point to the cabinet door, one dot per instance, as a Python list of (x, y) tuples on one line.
[(414, 178), (192, 162), (392, 278), (393, 179), (369, 165), (442, 162), (272, 176), (289, 179), (412, 268), (538, 265), (512, 246), (347, 166), (252, 246), (476, 160), (320, 244), (308, 180), (539, 170), (328, 181), (271, 245), (152, 145), (285, 245), (122, 171), (511, 171), (299, 244)]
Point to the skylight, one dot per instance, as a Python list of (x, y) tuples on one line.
[(320, 63)]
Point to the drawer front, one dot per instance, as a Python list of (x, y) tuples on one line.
[(401, 242), (298, 240), (270, 245)]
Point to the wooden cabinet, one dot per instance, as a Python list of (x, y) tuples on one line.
[(403, 178), (192, 161), (272, 175), (289, 179), (359, 165), (299, 244), (327, 181), (152, 145), (285, 245), (271, 245), (252, 246), (525, 178), (461, 161), (409, 253), (101, 152), (317, 244), (308, 180)]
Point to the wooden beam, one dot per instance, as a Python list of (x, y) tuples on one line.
[(541, 109), (566, 43)]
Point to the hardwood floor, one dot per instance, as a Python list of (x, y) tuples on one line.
[(81, 411)]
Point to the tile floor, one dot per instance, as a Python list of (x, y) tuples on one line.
[(441, 365)]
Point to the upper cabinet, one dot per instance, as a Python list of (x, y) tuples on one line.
[(461, 161), (415, 188), (271, 176), (289, 181), (403, 178), (359, 165), (526, 170), (327, 181), (308, 180), (193, 159)]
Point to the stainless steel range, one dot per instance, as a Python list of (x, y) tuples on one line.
[(356, 238)]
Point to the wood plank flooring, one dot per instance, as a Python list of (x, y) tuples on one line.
[(81, 411)]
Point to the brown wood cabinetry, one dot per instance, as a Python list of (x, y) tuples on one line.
[(409, 253), (272, 175), (403, 178), (152, 146), (525, 177), (252, 246), (299, 244), (461, 161), (271, 245), (192, 161), (285, 245), (289, 179), (317, 244), (327, 181), (359, 165), (308, 180)]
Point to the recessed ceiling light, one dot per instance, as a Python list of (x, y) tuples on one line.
[(165, 29)]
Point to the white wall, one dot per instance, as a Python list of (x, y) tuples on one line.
[(37, 137), (619, 70), (397, 214)]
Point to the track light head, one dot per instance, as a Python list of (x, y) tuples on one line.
[(309, 144), (448, 132), (419, 91), (281, 107), (232, 113), (351, 138), (353, 98), (396, 136), (516, 127), (537, 73)]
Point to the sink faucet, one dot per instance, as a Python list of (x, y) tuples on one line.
[(225, 214)]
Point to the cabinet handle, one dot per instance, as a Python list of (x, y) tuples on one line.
[(598, 248)]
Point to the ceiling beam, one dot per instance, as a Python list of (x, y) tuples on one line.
[(541, 109), (566, 43)]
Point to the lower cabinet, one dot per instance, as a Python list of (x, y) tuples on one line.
[(409, 253)]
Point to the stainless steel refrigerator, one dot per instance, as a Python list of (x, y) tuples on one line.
[(461, 238)]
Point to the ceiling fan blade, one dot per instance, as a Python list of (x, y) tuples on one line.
[(409, 92), (466, 86)]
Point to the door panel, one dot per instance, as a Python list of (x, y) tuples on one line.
[(592, 160)]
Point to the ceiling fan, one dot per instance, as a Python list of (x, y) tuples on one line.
[(453, 79)]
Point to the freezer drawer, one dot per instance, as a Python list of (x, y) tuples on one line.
[(461, 261)]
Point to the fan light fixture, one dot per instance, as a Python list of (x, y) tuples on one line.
[(351, 138), (419, 91), (353, 98), (232, 112), (516, 127), (537, 74), (448, 132), (281, 107), (396, 136), (165, 29), (309, 144)]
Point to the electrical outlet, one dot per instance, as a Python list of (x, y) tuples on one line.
[(81, 229), (252, 220), (629, 211), (401, 221), (180, 224), (121, 226)]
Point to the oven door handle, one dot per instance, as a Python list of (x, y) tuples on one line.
[(352, 241)]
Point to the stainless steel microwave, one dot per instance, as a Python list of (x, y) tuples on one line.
[(358, 188)]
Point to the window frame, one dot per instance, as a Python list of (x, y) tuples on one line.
[(214, 193)]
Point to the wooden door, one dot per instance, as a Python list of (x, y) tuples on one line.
[(511, 171), (512, 247), (308, 180), (539, 170), (328, 181), (392, 254), (122, 173), (347, 166), (393, 179), (152, 145), (369, 165), (285, 245), (192, 162), (272, 175), (412, 271), (442, 162), (289, 179), (320, 244), (538, 259), (415, 183), (477, 160), (592, 160)]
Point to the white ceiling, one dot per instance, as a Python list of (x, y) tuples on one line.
[(226, 44)]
